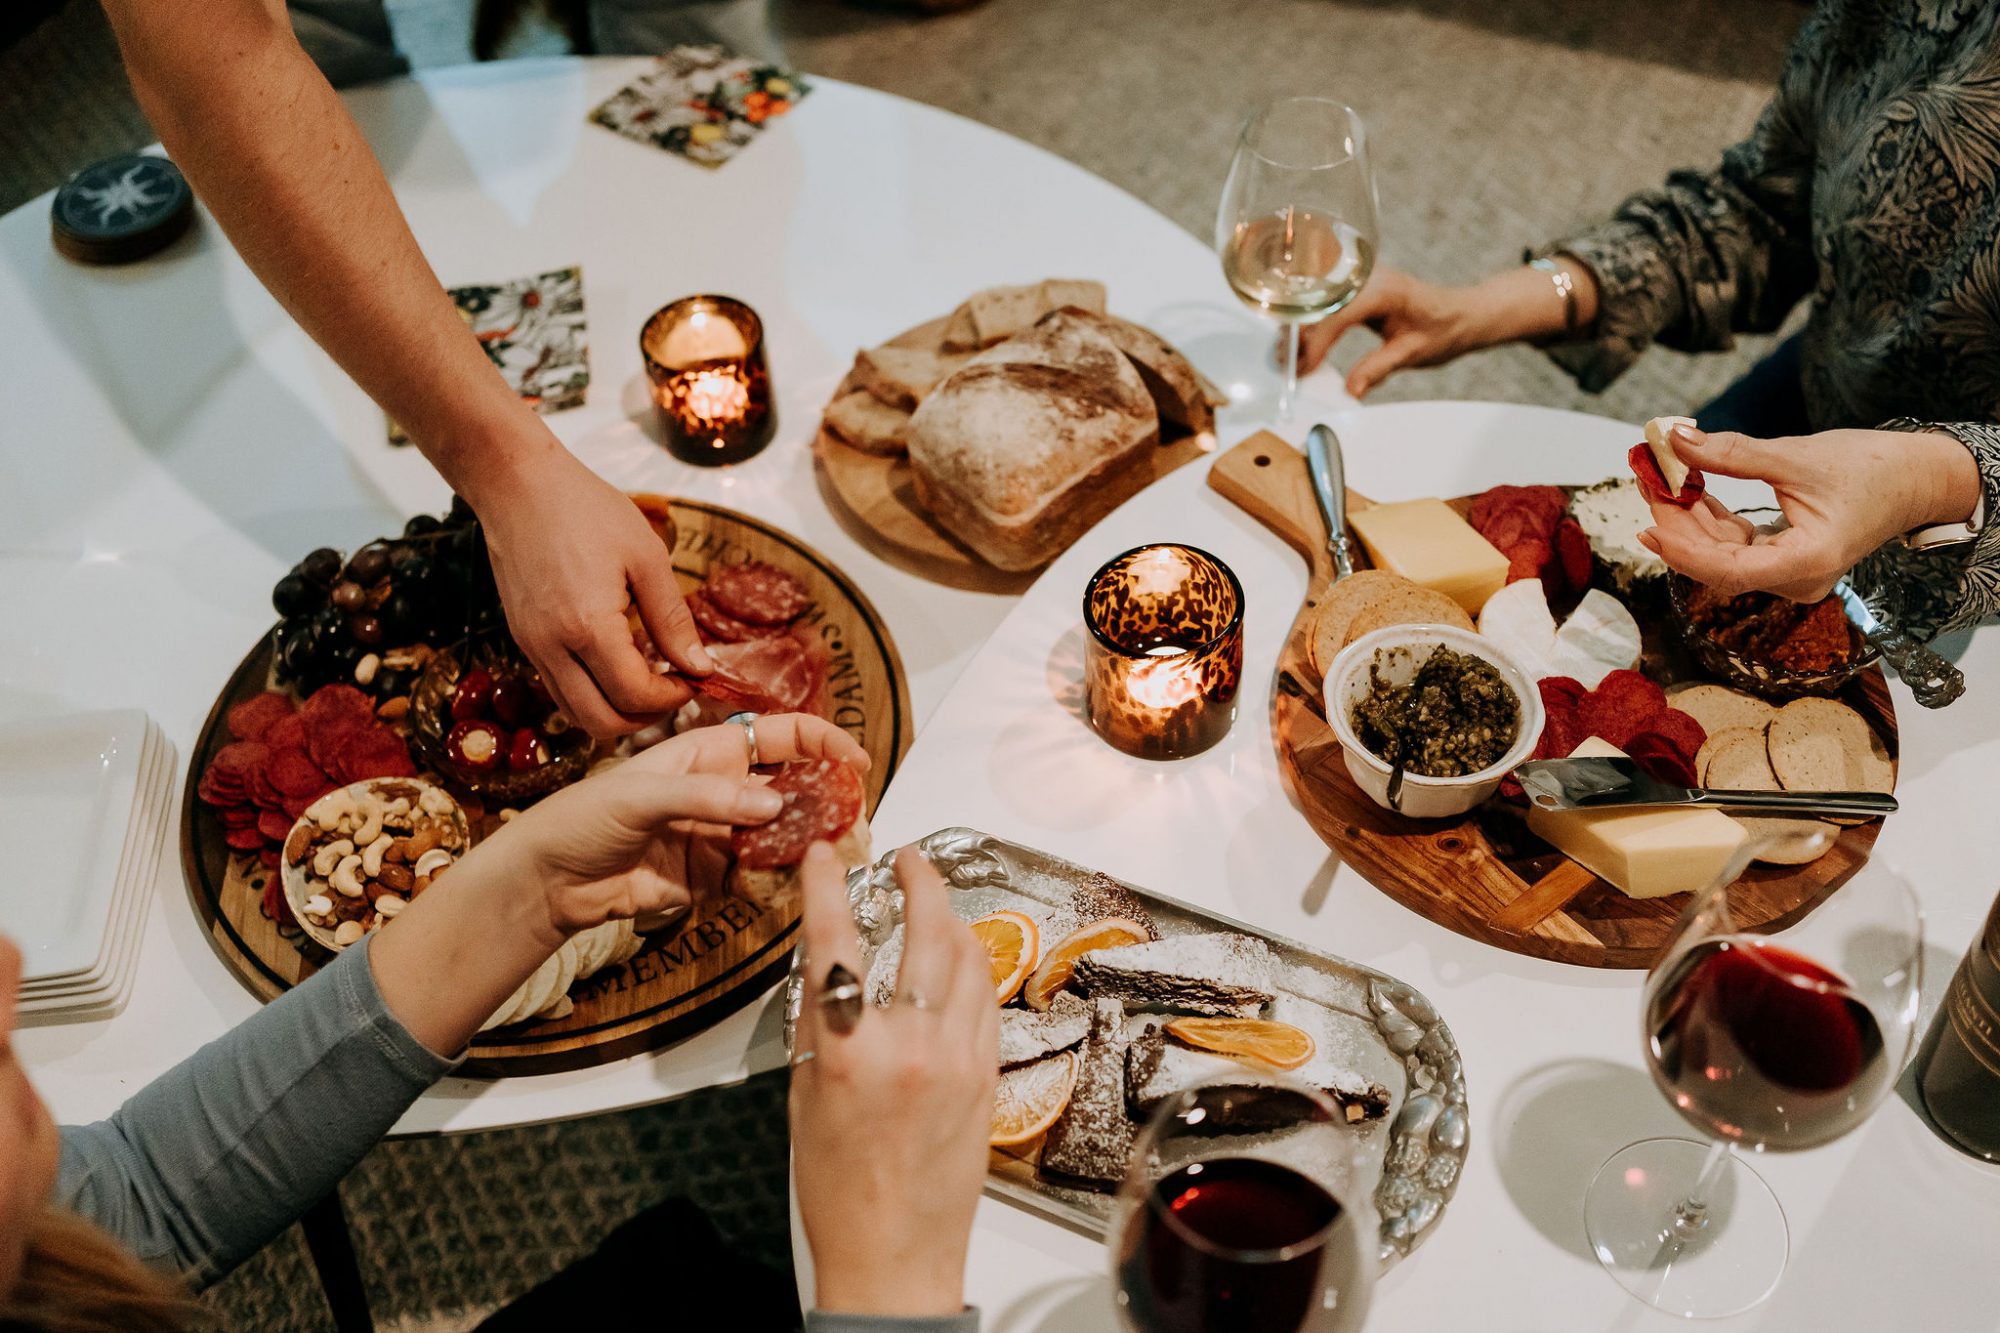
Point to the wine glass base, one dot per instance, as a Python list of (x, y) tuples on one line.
[(1724, 1264)]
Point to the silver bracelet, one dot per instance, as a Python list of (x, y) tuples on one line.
[(1565, 288)]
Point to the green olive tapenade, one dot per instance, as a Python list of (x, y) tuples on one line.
[(1456, 716)]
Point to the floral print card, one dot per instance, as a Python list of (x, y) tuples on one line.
[(701, 102), (531, 329)]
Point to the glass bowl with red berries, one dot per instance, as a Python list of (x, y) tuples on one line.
[(481, 716)]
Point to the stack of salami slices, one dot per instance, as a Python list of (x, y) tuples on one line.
[(1532, 527), (1628, 711), (747, 615)]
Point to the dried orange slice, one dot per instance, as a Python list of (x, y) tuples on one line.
[(1013, 945), (1264, 1040), (1029, 1099), (1060, 960)]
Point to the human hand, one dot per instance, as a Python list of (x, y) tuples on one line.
[(1420, 324), (570, 553), (1843, 492), (890, 1121), (28, 1166)]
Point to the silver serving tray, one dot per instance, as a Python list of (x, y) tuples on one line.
[(1363, 1019)]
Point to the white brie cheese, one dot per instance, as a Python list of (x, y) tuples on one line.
[(1599, 637), (1672, 470), (1518, 621)]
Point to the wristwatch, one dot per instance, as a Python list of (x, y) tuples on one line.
[(1944, 536)]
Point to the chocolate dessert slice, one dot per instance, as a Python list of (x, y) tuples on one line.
[(1190, 974), (1089, 1145), (1157, 1067), (1026, 1036)]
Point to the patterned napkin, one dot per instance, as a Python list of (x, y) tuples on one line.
[(702, 102), (532, 330)]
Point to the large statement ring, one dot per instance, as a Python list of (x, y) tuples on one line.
[(748, 721), (840, 999)]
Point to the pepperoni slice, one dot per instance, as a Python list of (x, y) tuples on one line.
[(244, 839), (293, 774), (249, 720), (718, 626), (1573, 551), (1686, 734), (1660, 758), (759, 593), (373, 752), (822, 801), (238, 816), (289, 730), (334, 708), (1654, 483), (273, 825)]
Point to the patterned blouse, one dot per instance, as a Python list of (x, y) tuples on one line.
[(1871, 188)]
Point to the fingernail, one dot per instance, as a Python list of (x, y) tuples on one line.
[(699, 659), (758, 803), (1686, 435)]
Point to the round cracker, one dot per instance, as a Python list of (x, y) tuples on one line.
[(1821, 745), (1742, 764), (1344, 600), (1412, 605), (1719, 708), (1715, 743)]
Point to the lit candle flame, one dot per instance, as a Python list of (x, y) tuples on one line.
[(708, 397), (1164, 681)]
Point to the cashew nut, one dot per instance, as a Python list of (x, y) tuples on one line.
[(371, 856), (344, 879), (371, 826), (327, 857), (389, 904), (431, 862), (348, 932), (434, 801), (319, 905), (331, 808)]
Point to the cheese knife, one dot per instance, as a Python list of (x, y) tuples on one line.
[(1615, 783), (1329, 481)]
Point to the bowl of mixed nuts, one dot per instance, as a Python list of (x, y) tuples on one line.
[(361, 854)]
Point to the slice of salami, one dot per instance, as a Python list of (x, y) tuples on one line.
[(289, 730), (244, 839), (770, 675), (293, 774), (1660, 758), (238, 816), (233, 761), (335, 708), (1573, 550), (822, 801), (374, 752), (1653, 482), (1680, 728), (249, 720), (759, 593), (718, 626), (274, 825)]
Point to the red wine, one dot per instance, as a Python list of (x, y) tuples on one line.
[(1958, 1067), (1169, 1283), (1754, 1043)]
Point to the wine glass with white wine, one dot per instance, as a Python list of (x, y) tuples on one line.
[(1297, 227)]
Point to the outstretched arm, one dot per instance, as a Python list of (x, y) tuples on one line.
[(282, 166)]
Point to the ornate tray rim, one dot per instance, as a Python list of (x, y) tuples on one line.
[(1424, 1156)]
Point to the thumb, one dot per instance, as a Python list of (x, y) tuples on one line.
[(669, 623), (1731, 454), (647, 799), (1383, 362)]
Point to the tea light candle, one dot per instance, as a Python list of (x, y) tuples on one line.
[(704, 360), (1164, 658)]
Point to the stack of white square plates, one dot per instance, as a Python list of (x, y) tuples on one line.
[(84, 802)]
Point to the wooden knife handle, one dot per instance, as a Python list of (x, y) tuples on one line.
[(1267, 478)]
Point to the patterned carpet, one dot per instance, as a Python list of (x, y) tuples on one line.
[(1495, 125)]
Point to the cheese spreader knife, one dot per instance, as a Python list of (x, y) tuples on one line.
[(1615, 783), (1329, 479)]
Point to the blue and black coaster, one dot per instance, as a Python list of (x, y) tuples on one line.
[(121, 209)]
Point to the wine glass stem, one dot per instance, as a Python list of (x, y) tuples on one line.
[(1691, 1213), (1289, 362)]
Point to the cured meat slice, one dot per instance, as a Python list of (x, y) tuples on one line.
[(1654, 483), (770, 675), (822, 800), (759, 593), (718, 626), (252, 718)]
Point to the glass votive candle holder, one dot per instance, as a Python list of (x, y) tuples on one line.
[(1164, 657), (705, 366)]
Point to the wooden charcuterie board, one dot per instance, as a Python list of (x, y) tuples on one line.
[(1483, 874), (687, 976)]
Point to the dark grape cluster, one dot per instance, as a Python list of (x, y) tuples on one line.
[(432, 585)]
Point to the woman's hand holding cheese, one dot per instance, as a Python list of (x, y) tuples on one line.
[(1843, 492)]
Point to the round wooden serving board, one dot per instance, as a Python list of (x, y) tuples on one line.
[(1484, 875), (687, 976), (875, 496)]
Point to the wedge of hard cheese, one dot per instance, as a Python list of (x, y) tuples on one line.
[(1645, 853), (1428, 543), (1659, 433)]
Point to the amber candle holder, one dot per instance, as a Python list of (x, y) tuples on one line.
[(1164, 659), (705, 365)]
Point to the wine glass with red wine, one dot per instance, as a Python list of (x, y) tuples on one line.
[(1771, 1043), (1246, 1210)]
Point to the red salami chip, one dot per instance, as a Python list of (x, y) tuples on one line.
[(1660, 758), (1623, 705), (759, 593), (273, 825), (275, 905), (822, 801), (213, 791), (1573, 551), (270, 859), (1634, 691), (238, 816), (233, 761), (249, 720), (334, 708), (296, 806), (718, 626), (259, 788), (1512, 527), (1528, 560), (374, 752), (1686, 734), (293, 774), (1561, 693), (289, 730), (1654, 483), (244, 839)]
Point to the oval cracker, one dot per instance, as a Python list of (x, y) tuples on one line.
[(1821, 745), (1719, 708), (1742, 764), (1344, 600)]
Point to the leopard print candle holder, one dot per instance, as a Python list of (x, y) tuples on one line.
[(1165, 655)]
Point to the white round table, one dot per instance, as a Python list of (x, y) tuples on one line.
[(174, 443), (1890, 1228)]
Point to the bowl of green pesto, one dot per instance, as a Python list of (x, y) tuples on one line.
[(1444, 705)]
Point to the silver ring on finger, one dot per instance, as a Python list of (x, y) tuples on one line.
[(840, 999), (748, 721)]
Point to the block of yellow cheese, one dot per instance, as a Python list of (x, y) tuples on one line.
[(1427, 542), (1645, 853)]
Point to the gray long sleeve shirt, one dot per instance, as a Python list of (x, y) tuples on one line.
[(211, 1160)]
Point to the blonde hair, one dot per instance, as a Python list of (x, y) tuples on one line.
[(77, 1279)]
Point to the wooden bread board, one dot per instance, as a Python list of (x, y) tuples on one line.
[(689, 975), (1483, 875)]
